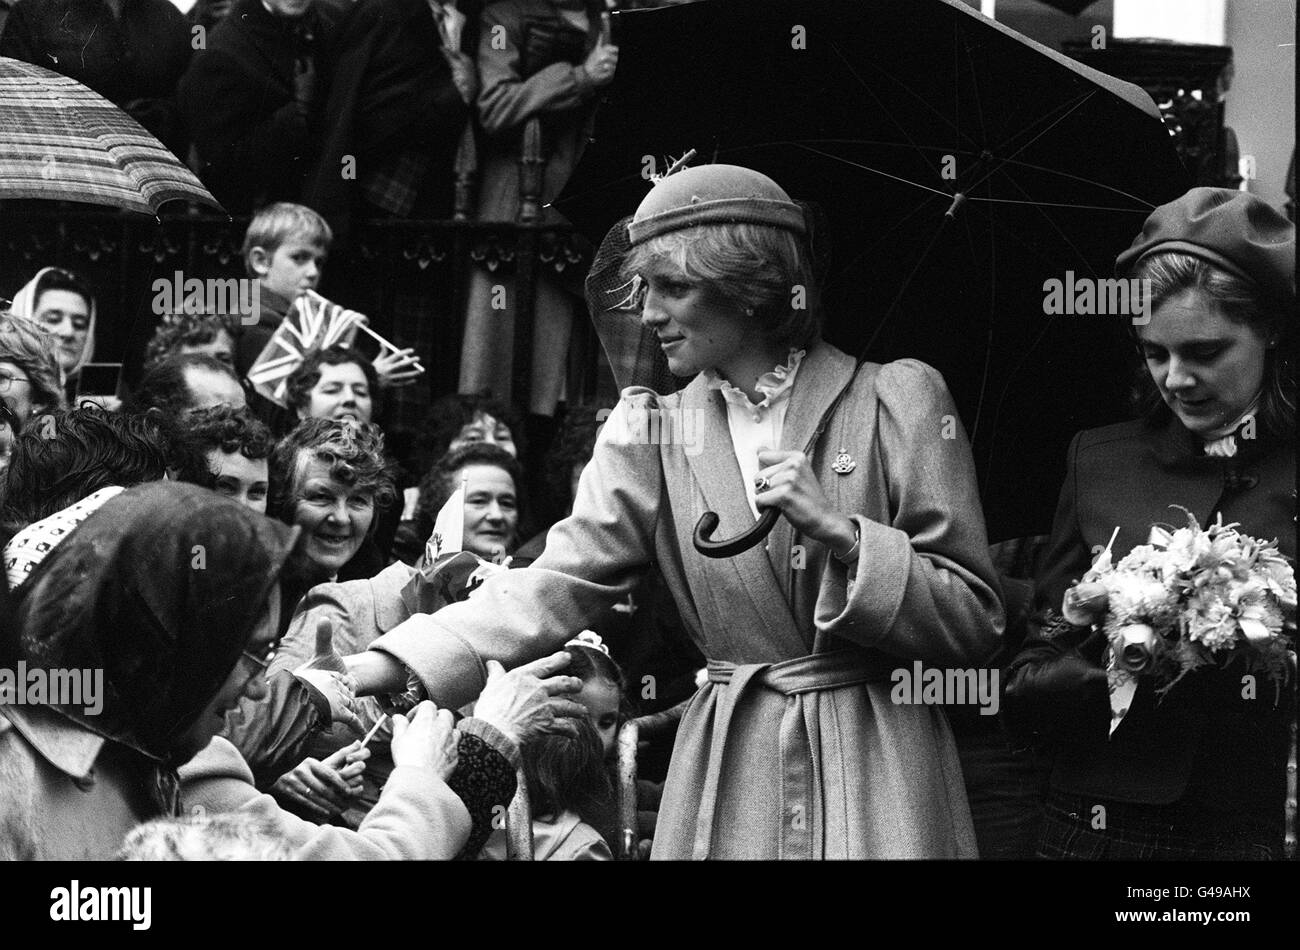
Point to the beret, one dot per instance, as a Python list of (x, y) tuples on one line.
[(714, 194), (1234, 230)]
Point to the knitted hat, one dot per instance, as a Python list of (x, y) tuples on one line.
[(714, 194), (1231, 229)]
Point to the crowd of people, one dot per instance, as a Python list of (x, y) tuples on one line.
[(320, 641), (357, 110)]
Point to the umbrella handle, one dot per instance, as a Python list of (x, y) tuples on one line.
[(708, 523)]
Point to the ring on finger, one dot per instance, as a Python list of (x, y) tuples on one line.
[(762, 483)]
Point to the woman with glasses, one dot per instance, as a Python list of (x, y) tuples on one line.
[(29, 379)]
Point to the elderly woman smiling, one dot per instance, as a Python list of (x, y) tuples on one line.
[(329, 476)]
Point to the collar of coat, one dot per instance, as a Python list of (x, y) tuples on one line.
[(65, 745), (1177, 447)]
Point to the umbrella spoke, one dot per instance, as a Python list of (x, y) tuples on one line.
[(874, 171), (885, 109), (1078, 103), (1146, 207)]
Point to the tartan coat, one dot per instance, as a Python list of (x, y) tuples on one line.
[(794, 748)]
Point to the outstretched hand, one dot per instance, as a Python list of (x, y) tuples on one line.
[(326, 788), (426, 738), (529, 700), (325, 656), (329, 674)]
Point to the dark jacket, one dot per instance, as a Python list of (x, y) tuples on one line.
[(392, 107), (253, 137), (135, 62), (1203, 745)]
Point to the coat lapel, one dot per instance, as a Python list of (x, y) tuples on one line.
[(718, 475), (821, 376)]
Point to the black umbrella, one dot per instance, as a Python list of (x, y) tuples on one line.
[(960, 167)]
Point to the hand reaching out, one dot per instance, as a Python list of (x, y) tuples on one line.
[(528, 700), (323, 788), (328, 673), (426, 738)]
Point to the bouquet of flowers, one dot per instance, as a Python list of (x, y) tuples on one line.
[(1194, 597)]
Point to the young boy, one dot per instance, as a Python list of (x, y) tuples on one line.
[(285, 249)]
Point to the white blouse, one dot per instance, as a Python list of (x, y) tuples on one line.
[(757, 426)]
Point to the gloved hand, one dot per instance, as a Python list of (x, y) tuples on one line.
[(1057, 691)]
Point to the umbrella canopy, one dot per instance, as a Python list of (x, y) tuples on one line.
[(882, 114), (59, 141)]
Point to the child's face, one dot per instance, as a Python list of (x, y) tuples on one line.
[(601, 699), (294, 267)]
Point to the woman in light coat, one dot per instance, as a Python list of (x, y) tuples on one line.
[(794, 747)]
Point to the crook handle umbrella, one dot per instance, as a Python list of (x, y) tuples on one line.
[(708, 523)]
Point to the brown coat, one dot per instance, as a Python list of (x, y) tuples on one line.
[(801, 759)]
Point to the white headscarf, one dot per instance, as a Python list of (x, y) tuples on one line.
[(24, 305)]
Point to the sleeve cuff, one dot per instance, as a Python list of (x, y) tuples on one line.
[(449, 669), (318, 699), (493, 737)]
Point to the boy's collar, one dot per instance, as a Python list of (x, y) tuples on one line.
[(270, 300)]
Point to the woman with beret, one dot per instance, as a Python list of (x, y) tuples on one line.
[(1201, 772), (793, 748)]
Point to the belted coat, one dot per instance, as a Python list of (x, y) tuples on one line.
[(794, 748)]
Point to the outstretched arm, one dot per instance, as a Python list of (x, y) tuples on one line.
[(593, 559)]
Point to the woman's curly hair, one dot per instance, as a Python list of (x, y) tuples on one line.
[(187, 329), (354, 452)]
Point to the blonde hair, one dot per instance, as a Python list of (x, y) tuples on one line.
[(767, 271), (275, 224)]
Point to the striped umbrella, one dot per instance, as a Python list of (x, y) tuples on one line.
[(59, 141)]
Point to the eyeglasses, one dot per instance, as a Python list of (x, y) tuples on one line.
[(10, 418), (7, 381), (266, 658)]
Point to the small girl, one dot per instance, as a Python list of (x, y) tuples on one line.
[(569, 778)]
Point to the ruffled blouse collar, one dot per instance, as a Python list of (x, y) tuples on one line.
[(1222, 443), (775, 386)]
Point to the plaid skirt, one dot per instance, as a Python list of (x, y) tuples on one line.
[(1076, 828)]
